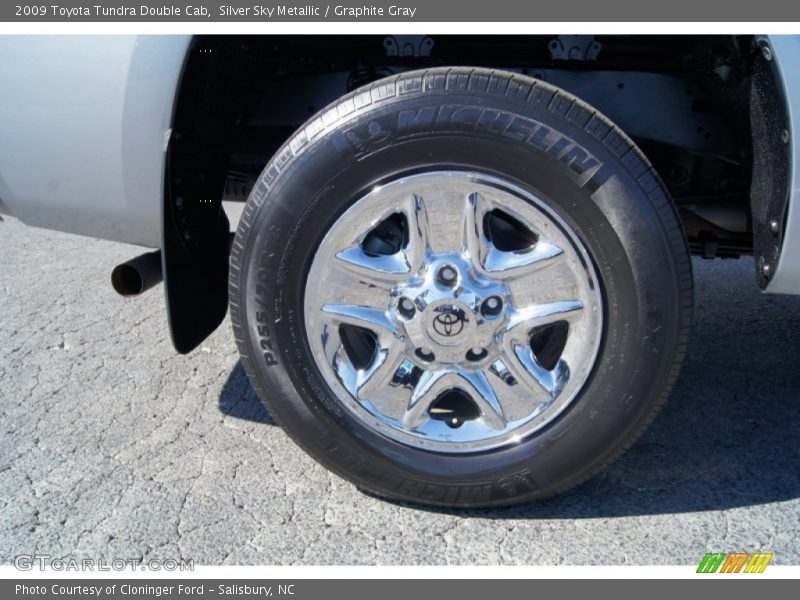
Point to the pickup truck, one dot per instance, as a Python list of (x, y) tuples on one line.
[(458, 268)]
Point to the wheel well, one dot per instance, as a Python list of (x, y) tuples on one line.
[(692, 103)]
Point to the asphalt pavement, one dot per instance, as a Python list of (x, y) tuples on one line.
[(115, 446)]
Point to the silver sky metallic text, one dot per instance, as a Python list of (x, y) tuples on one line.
[(270, 12)]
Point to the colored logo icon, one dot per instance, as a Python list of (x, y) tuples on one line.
[(734, 562)]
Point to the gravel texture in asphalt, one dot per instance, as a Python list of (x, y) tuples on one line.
[(115, 446)]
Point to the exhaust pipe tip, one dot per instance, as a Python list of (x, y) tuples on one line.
[(137, 275), (127, 281)]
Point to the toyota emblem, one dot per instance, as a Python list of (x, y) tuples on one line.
[(449, 323)]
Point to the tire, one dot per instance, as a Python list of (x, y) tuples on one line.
[(544, 146)]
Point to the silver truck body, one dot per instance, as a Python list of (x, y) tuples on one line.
[(84, 122)]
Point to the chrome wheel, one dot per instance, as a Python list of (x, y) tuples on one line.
[(453, 311)]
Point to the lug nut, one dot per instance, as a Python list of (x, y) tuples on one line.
[(492, 306), (406, 308), (447, 275), (476, 354), (425, 354)]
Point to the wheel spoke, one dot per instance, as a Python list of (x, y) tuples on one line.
[(522, 320), (424, 394), (476, 244), (418, 232), (485, 397), (344, 369), (433, 383), (382, 371), (511, 265), (522, 364), (365, 383), (374, 319), (498, 263), (403, 263), (379, 269)]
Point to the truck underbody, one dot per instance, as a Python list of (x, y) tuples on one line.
[(708, 112)]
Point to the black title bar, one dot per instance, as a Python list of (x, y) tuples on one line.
[(461, 11)]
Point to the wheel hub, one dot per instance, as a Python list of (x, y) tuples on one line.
[(451, 322)]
